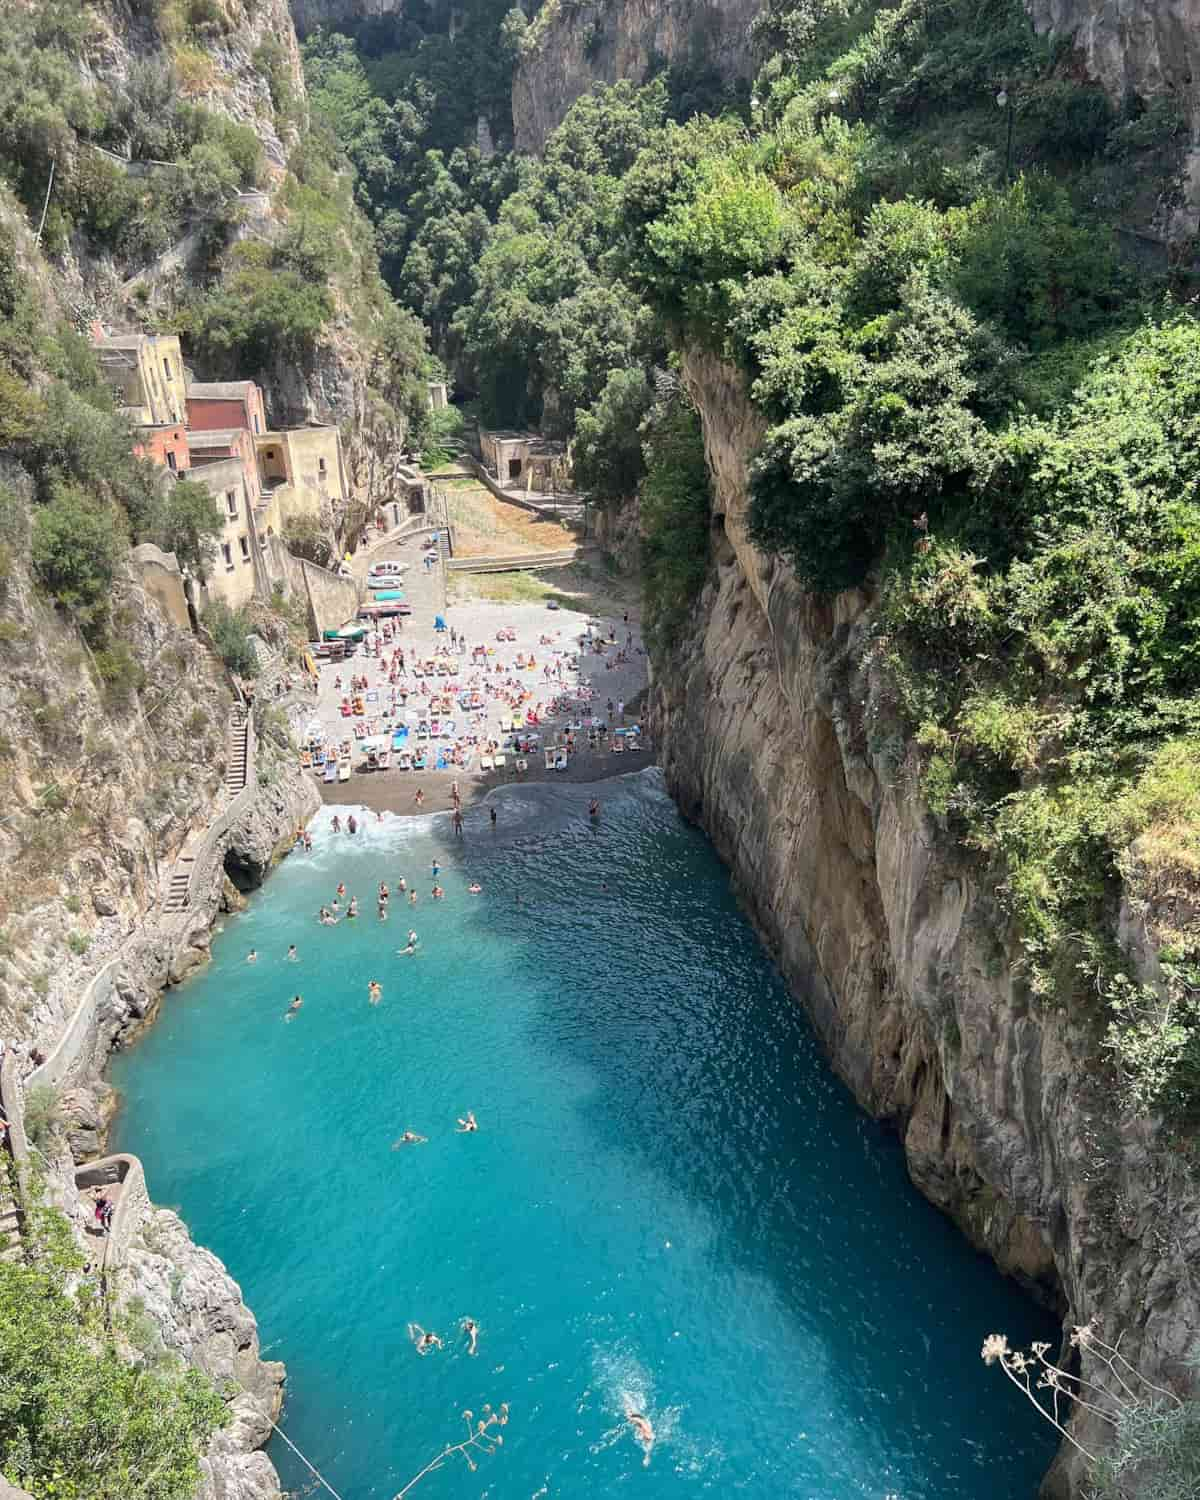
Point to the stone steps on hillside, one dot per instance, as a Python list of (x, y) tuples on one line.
[(10, 1225), (237, 768), (176, 898)]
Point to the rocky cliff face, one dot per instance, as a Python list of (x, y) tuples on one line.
[(776, 736), (570, 47)]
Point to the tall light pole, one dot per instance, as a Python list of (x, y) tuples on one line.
[(1007, 100)]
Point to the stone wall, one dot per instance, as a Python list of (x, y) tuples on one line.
[(132, 1207), (331, 599), (163, 581)]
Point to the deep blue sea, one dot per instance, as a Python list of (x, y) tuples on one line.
[(670, 1202)]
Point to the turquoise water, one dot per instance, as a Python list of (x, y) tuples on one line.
[(669, 1200)]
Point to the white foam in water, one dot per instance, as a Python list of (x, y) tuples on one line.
[(539, 806), (624, 1384)]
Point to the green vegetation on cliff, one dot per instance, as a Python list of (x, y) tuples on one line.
[(80, 1420)]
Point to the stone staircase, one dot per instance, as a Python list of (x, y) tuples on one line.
[(10, 1221), (238, 767), (176, 898)]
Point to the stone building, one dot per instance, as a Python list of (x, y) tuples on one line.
[(166, 445), (237, 573), (526, 461), (301, 471), (145, 373), (214, 405)]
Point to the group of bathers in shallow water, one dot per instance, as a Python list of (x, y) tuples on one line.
[(331, 915)]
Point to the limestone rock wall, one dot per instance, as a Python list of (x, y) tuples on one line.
[(572, 46), (775, 736)]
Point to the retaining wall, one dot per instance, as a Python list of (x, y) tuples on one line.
[(522, 561), (13, 1106), (132, 1205)]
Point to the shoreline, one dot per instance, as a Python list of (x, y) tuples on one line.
[(383, 792)]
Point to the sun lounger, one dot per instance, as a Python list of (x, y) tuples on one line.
[(485, 762), (560, 761), (343, 770), (499, 760)]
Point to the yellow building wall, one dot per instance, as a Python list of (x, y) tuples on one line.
[(312, 466), (231, 572), (160, 368)]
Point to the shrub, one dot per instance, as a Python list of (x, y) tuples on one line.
[(43, 1116), (76, 546), (76, 1420), (230, 630)]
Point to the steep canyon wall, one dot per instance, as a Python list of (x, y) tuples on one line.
[(776, 737)]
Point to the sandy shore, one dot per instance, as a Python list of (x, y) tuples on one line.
[(552, 636)]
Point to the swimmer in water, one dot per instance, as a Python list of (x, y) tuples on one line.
[(471, 1328), (642, 1429), (412, 945), (412, 898), (293, 1008), (402, 885), (374, 992), (465, 1126), (252, 956), (594, 808), (292, 954), (422, 1341), (352, 909), (409, 1138), (474, 890), (341, 890)]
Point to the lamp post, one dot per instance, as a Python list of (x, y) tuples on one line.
[(1006, 99)]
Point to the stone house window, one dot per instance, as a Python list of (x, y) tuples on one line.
[(172, 462), (245, 545), (231, 502), (227, 553)]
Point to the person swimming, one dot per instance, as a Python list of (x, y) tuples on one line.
[(293, 1008), (375, 992), (643, 1430), (467, 1124), (594, 808), (409, 1138), (411, 948), (412, 898), (437, 893), (474, 890), (252, 956), (352, 909), (471, 1328), (401, 885), (341, 890), (292, 954), (423, 1342)]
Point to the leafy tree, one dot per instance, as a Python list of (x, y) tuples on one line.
[(75, 1418), (76, 548), (608, 459), (675, 502), (189, 524), (231, 630)]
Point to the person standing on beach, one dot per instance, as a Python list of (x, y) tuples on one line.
[(458, 822)]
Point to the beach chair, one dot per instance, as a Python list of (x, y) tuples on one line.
[(521, 766), (499, 761), (418, 761), (485, 762), (404, 761), (560, 761), (306, 759)]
